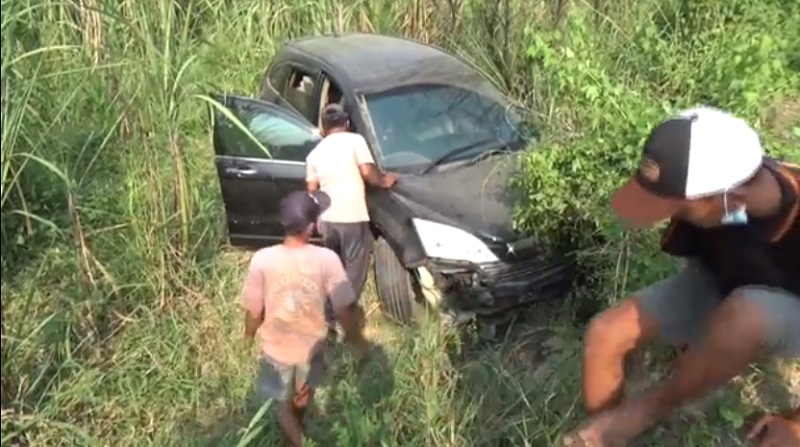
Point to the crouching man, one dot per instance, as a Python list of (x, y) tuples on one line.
[(284, 297), (734, 216)]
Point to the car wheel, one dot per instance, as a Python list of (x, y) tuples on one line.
[(395, 285)]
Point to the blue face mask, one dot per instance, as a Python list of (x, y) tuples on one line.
[(733, 217)]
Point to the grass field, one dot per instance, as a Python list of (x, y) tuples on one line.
[(120, 322)]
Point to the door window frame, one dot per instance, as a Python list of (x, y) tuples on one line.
[(284, 80), (326, 84), (270, 109), (310, 113)]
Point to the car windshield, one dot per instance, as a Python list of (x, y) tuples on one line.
[(417, 125)]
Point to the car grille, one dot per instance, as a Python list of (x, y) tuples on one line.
[(536, 278)]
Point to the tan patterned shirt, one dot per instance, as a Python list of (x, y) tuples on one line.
[(290, 286)]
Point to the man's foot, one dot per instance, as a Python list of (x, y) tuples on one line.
[(615, 428), (592, 434), (773, 430), (577, 439)]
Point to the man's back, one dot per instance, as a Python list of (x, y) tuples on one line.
[(334, 163), (296, 283)]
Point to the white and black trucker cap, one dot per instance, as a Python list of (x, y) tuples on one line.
[(700, 153)]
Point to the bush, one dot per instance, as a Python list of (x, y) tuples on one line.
[(613, 84)]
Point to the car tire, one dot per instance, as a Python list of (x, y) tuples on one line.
[(396, 287)]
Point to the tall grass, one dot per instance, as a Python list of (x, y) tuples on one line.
[(120, 324)]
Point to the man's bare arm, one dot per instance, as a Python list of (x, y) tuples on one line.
[(374, 177), (312, 179), (794, 416), (251, 324), (253, 299)]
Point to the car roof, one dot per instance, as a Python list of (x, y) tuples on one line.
[(375, 62)]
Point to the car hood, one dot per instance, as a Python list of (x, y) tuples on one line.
[(476, 198)]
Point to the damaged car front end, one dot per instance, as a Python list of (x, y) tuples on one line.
[(472, 264)]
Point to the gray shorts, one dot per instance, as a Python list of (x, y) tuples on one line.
[(683, 304), (281, 382)]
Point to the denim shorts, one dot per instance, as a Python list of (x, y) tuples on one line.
[(280, 382)]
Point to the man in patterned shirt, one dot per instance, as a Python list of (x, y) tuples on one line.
[(284, 297)]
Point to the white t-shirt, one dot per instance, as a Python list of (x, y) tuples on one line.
[(334, 164)]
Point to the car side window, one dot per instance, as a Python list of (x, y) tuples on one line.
[(279, 76), (285, 138), (276, 78), (299, 92)]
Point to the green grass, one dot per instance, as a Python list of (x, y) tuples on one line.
[(181, 375), (120, 317)]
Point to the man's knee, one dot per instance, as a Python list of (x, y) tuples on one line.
[(759, 318), (620, 329), (739, 314)]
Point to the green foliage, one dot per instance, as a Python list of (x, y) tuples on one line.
[(614, 81)]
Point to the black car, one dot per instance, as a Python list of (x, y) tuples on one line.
[(444, 233)]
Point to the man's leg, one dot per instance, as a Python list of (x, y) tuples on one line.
[(751, 323), (331, 240), (357, 241), (674, 309), (276, 381), (304, 381)]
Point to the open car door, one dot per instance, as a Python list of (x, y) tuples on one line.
[(260, 151)]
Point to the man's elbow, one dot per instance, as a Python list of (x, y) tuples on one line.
[(370, 175)]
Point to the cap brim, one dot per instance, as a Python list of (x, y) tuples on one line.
[(639, 208), (323, 200)]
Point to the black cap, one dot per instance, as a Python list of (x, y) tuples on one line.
[(664, 166), (298, 211), (334, 115), (701, 153)]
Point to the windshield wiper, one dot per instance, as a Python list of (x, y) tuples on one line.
[(437, 161), (490, 153)]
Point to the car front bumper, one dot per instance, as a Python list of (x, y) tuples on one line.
[(491, 289)]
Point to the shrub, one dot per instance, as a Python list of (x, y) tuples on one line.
[(612, 84)]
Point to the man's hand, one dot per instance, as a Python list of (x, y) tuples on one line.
[(775, 431), (374, 177), (388, 180), (251, 324)]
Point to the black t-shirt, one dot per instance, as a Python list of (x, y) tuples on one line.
[(762, 252)]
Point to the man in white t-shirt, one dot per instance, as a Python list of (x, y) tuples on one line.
[(339, 166)]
